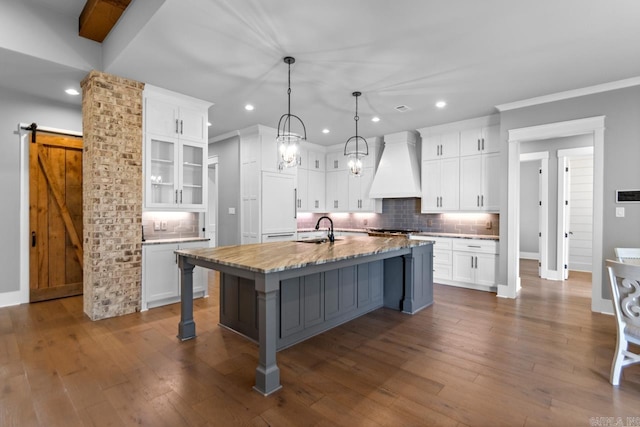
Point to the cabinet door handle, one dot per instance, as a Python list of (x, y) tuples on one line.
[(317, 204), (482, 200), (335, 164), (180, 196), (176, 196), (482, 144), (474, 246), (317, 164), (471, 262), (295, 206), (181, 126), (177, 126), (478, 201), (478, 144), (33, 239), (476, 262)]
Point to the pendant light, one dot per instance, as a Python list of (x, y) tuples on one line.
[(356, 147), (288, 141)]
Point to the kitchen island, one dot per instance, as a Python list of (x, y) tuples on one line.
[(280, 293)]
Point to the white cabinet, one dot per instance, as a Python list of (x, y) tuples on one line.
[(311, 181), (316, 160), (316, 191), (161, 275), (440, 185), (336, 161), (175, 151), (468, 263), (475, 262), (479, 182), (302, 190), (337, 190), (442, 258), (347, 193), (278, 206), (442, 146), (359, 186), (480, 140)]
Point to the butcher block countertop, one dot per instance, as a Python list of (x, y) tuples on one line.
[(279, 256)]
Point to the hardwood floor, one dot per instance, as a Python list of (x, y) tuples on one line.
[(470, 359)]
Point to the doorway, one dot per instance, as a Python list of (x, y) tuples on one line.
[(593, 126), (55, 216)]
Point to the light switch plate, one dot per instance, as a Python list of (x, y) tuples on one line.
[(620, 212), (232, 211), (156, 225), (163, 225)]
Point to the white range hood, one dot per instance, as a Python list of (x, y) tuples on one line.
[(398, 173)]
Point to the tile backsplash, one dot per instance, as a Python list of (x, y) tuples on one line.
[(405, 214), (170, 225)]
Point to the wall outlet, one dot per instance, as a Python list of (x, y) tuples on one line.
[(232, 211), (489, 225), (619, 212), (365, 222), (156, 225), (429, 223), (163, 225)]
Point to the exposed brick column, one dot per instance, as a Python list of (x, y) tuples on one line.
[(112, 194)]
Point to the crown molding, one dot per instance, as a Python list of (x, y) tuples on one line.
[(590, 90)]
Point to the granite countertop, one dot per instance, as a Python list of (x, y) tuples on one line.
[(175, 240), (459, 236), (279, 256)]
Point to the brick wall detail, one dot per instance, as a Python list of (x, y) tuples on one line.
[(112, 192)]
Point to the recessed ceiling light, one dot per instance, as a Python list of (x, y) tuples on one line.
[(325, 130), (441, 104), (72, 92), (248, 107), (208, 123), (375, 119)]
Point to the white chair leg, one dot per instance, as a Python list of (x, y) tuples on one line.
[(616, 365)]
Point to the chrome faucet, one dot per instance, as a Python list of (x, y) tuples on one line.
[(330, 235)]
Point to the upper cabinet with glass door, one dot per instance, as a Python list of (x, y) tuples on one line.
[(175, 151)]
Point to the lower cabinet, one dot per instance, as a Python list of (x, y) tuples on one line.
[(307, 305), (468, 263), (161, 275), (316, 302)]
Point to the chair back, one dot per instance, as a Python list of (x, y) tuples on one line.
[(625, 293), (628, 255)]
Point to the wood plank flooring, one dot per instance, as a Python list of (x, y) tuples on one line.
[(469, 360)]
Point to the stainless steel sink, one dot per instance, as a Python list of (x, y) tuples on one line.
[(318, 240)]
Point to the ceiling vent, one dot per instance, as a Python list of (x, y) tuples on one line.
[(402, 108)]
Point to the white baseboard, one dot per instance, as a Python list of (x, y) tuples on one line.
[(530, 255)]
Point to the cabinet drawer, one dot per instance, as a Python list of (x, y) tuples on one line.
[(473, 245), (442, 257), (442, 243), (442, 272)]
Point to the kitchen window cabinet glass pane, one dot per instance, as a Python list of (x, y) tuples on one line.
[(192, 175), (162, 175)]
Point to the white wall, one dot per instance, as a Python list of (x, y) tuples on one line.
[(15, 108)]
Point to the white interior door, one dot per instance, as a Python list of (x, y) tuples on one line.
[(581, 214)]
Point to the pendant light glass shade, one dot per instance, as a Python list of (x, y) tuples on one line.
[(356, 147), (288, 141)]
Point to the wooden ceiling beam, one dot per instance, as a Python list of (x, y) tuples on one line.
[(98, 17)]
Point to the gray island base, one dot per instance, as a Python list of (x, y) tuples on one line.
[(281, 293)]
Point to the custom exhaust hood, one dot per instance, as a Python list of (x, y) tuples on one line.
[(398, 173)]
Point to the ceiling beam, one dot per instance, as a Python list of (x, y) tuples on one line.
[(98, 17)]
